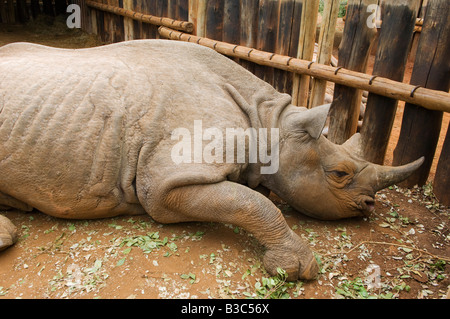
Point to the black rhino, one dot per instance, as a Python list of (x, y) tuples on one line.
[(100, 132)]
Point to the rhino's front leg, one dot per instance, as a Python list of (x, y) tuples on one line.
[(229, 202), (8, 233)]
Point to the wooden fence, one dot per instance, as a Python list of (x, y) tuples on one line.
[(287, 29), (22, 11)]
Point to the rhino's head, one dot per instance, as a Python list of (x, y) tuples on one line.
[(322, 179)]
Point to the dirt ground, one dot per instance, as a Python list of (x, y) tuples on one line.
[(401, 251)]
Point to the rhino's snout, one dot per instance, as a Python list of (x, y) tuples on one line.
[(367, 205)]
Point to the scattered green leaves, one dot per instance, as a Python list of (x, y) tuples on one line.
[(274, 287), (196, 236), (147, 242), (353, 289), (3, 291), (190, 276), (113, 225)]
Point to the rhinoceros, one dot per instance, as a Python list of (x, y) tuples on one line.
[(101, 132)]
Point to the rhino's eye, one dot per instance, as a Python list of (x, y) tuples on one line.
[(339, 173)]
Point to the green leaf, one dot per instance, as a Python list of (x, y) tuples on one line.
[(405, 249), (121, 262), (98, 264), (363, 292), (247, 272), (172, 246), (394, 214)]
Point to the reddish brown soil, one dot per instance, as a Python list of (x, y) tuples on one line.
[(407, 237)]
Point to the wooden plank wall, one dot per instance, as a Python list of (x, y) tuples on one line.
[(22, 11), (391, 56), (114, 28), (420, 127)]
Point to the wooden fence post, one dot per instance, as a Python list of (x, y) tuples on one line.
[(267, 35), (149, 31), (399, 19), (128, 25), (22, 11), (105, 26), (94, 25), (182, 11), (416, 37), (60, 6), (231, 21), (286, 29), (86, 21), (11, 12), (193, 13), (214, 19), (35, 8), (326, 41), (3, 16), (171, 8), (421, 127), (441, 185), (48, 7), (161, 10), (248, 32), (296, 25), (248, 23), (100, 17), (113, 24), (354, 51), (200, 23), (307, 40)]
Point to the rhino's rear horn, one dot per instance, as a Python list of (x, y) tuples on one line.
[(353, 145), (387, 176)]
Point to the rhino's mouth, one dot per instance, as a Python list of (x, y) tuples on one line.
[(367, 205)]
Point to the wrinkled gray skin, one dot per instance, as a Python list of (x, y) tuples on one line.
[(87, 134)]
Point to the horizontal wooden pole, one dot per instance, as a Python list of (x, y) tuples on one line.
[(427, 98), (161, 21)]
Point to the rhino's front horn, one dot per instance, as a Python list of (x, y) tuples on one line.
[(387, 176)]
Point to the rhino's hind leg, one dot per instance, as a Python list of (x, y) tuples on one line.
[(8, 202), (228, 202), (8, 233)]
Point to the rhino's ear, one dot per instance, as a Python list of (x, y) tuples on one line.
[(311, 121)]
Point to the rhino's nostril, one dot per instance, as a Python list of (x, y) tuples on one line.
[(370, 205)]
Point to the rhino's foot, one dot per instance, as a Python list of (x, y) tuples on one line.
[(297, 260), (8, 233)]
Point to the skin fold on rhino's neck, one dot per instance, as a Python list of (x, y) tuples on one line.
[(262, 113)]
